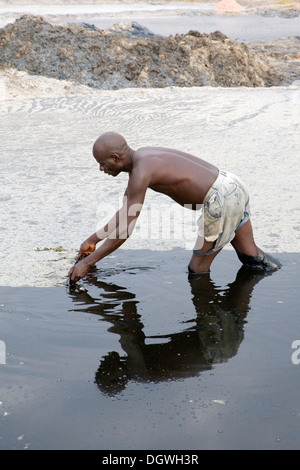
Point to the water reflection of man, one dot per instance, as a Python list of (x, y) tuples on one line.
[(213, 336)]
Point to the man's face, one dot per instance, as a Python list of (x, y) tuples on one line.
[(110, 165)]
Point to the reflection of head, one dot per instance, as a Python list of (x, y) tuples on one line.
[(110, 376)]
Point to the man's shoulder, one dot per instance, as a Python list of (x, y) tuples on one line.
[(144, 167), (142, 158), (144, 151)]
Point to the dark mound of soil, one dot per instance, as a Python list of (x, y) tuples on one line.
[(115, 59)]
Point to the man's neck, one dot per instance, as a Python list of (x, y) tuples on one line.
[(129, 161)]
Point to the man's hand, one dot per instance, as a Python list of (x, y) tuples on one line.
[(86, 248), (78, 271)]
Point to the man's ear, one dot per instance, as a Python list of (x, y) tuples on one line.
[(116, 157)]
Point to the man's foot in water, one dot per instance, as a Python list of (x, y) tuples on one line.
[(263, 262)]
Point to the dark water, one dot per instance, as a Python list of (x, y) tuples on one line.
[(142, 357)]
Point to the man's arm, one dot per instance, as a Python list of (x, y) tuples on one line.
[(119, 228), (89, 245)]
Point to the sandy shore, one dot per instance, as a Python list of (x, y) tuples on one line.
[(276, 4)]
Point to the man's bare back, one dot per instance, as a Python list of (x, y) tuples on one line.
[(183, 177)]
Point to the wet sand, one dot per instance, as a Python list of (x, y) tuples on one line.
[(141, 357)]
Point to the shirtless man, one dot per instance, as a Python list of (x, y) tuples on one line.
[(188, 180)]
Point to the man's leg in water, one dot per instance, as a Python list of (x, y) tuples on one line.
[(201, 263), (249, 254), (243, 243)]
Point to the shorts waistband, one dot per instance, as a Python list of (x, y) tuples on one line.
[(220, 178), (216, 184)]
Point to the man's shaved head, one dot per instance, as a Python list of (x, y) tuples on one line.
[(108, 144)]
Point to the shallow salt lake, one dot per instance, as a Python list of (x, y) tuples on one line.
[(242, 28), (164, 19), (140, 356), (82, 12)]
